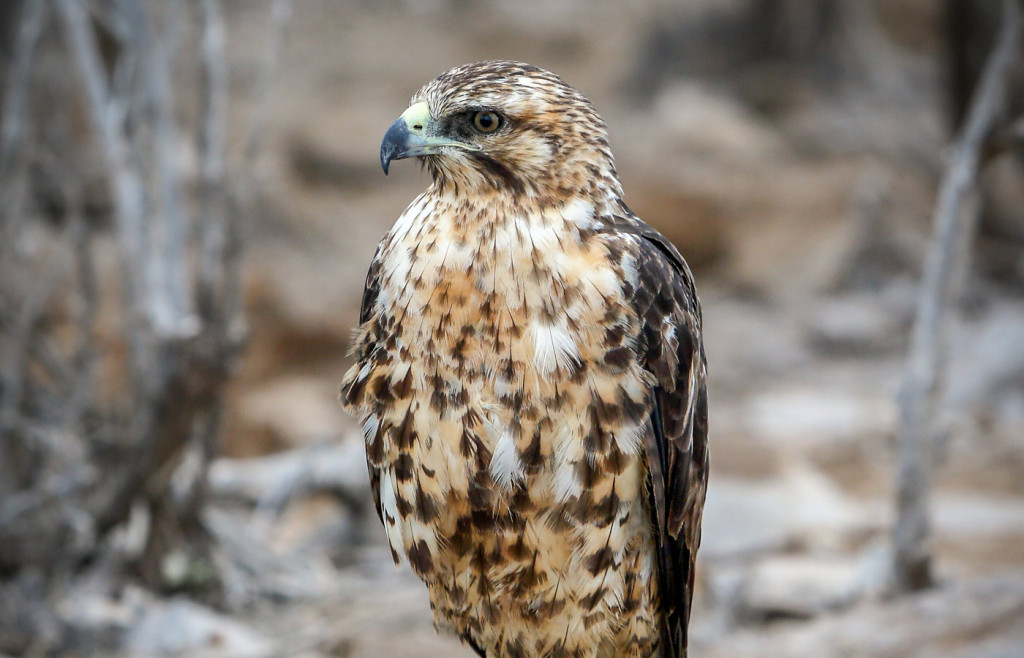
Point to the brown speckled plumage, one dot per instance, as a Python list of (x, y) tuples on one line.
[(531, 384)]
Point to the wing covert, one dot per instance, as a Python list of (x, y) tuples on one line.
[(671, 349), (365, 342)]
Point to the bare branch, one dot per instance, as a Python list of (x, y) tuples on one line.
[(179, 364), (169, 289), (166, 293), (12, 132), (280, 14), (212, 141), (126, 184), (18, 80), (272, 481), (84, 358), (923, 388)]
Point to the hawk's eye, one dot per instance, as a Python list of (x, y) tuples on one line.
[(486, 121)]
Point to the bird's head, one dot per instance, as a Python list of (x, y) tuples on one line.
[(506, 126)]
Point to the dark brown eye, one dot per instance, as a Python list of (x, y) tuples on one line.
[(486, 122)]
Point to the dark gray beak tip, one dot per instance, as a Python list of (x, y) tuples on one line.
[(395, 144)]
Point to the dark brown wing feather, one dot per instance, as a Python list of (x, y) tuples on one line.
[(372, 287), (671, 348), (364, 346)]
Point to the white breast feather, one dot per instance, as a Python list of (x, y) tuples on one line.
[(568, 450), (505, 467), (553, 348), (580, 213)]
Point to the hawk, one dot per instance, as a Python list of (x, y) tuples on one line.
[(530, 379)]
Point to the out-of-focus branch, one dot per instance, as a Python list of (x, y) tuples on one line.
[(272, 481), (217, 288), (923, 387), (128, 191), (178, 364), (12, 129), (167, 272), (126, 183), (154, 268), (280, 14), (84, 359), (213, 212), (13, 329)]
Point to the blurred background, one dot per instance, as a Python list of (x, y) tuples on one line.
[(190, 194)]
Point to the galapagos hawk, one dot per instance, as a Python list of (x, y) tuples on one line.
[(530, 379)]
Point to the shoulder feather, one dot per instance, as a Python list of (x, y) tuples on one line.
[(671, 349)]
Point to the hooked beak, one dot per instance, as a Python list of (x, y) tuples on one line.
[(413, 134)]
